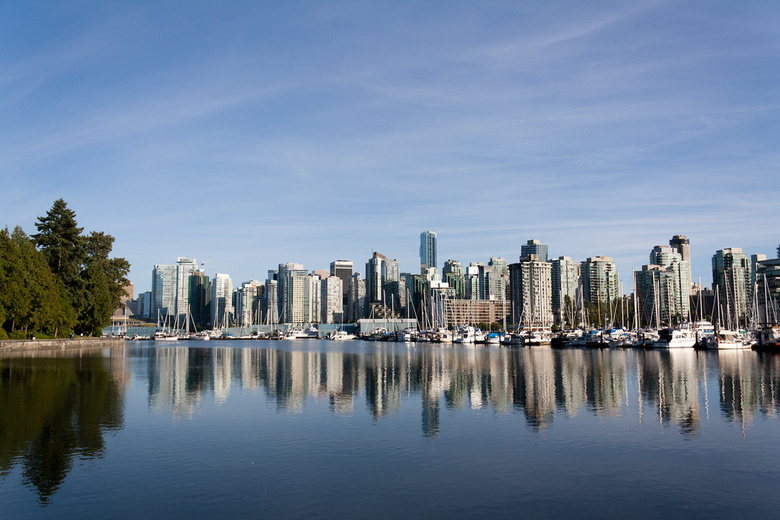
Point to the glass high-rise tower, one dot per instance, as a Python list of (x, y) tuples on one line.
[(427, 250)]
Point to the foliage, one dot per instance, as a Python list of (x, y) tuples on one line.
[(33, 298), (68, 284), (59, 239)]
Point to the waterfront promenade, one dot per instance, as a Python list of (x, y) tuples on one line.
[(12, 345)]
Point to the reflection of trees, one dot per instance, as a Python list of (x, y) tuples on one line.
[(53, 410)]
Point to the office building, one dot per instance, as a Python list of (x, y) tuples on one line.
[(164, 290), (145, 304)]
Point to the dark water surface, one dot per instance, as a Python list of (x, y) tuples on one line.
[(382, 430)]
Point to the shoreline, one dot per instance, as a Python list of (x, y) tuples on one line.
[(12, 345)]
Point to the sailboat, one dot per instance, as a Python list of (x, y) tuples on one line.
[(725, 338)]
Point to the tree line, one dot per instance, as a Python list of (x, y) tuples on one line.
[(58, 281)]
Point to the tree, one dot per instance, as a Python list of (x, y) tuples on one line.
[(59, 239), (103, 280), (33, 299), (94, 282)]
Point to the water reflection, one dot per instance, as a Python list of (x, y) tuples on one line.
[(670, 388), (55, 411)]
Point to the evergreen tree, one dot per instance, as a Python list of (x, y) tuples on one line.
[(104, 279), (94, 282), (59, 239), (33, 299)]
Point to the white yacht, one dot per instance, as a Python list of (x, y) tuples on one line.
[(465, 334), (443, 335), (725, 340), (675, 338), (341, 335), (164, 336), (293, 333)]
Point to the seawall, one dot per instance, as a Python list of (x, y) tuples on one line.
[(7, 345)]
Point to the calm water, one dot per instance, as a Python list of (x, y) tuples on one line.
[(353, 429)]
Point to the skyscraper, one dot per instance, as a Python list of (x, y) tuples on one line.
[(427, 250), (185, 267), (768, 290), (534, 247), (600, 281), (163, 290), (221, 300), (531, 292), (663, 288), (374, 271), (683, 246), (565, 281), (246, 304), (731, 281), (200, 297), (294, 288), (452, 273), (356, 298), (330, 300)]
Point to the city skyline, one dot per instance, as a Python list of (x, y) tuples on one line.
[(255, 134)]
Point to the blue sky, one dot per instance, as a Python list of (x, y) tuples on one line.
[(256, 133)]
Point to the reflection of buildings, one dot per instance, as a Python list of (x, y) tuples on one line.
[(168, 372), (670, 380), (539, 383), (739, 387)]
